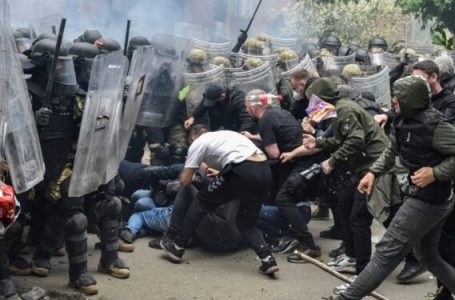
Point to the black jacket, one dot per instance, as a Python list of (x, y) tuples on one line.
[(230, 115), (445, 103)]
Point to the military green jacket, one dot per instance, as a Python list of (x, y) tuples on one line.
[(357, 138), (443, 141)]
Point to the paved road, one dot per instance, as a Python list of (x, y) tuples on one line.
[(211, 276)]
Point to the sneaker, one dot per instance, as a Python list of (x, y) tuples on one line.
[(343, 287), (337, 252), (85, 283), (19, 266), (41, 267), (344, 264), (320, 214), (268, 265), (118, 269), (155, 244), (124, 246), (173, 252), (313, 253), (332, 233), (285, 245)]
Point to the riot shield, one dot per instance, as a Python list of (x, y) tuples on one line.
[(163, 64), (98, 146), (18, 131), (333, 65), (276, 43), (377, 84), (306, 64), (391, 60), (377, 59), (259, 78), (45, 24), (131, 111), (421, 49), (198, 82), (229, 76), (213, 49)]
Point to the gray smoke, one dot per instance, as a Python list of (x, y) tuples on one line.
[(208, 20)]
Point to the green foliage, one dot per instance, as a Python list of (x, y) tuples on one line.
[(441, 38), (442, 11), (352, 21)]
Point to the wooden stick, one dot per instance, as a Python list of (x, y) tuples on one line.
[(329, 270)]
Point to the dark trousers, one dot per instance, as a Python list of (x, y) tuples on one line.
[(417, 225), (288, 196), (356, 222), (247, 181), (447, 243)]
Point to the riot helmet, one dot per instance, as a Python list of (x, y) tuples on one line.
[(287, 59), (252, 63), (89, 36), (253, 47), (136, 42), (377, 44), (197, 61), (83, 55), (107, 45), (331, 43), (345, 51), (221, 60), (362, 57)]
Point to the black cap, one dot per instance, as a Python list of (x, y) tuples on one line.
[(212, 94)]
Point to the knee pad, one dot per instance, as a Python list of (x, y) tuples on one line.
[(76, 224), (179, 154), (109, 207)]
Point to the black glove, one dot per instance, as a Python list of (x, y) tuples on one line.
[(42, 116)]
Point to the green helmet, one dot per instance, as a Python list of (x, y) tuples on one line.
[(252, 63), (198, 56), (221, 60), (286, 55), (351, 70)]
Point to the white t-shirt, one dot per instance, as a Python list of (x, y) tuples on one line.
[(219, 148)]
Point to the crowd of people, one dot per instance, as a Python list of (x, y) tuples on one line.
[(238, 158)]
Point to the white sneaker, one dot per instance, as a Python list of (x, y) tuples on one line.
[(345, 264), (336, 260), (341, 288)]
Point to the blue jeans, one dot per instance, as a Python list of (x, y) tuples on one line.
[(272, 222), (147, 215)]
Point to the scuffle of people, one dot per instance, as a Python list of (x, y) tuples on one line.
[(169, 141)]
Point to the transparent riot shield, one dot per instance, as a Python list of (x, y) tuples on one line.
[(19, 135), (259, 78), (163, 63), (276, 43), (229, 76), (306, 64), (377, 84), (45, 24), (198, 82), (213, 49), (96, 160), (378, 59), (333, 65), (130, 113), (391, 60), (421, 49)]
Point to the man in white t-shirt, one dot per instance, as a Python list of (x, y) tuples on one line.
[(240, 171)]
